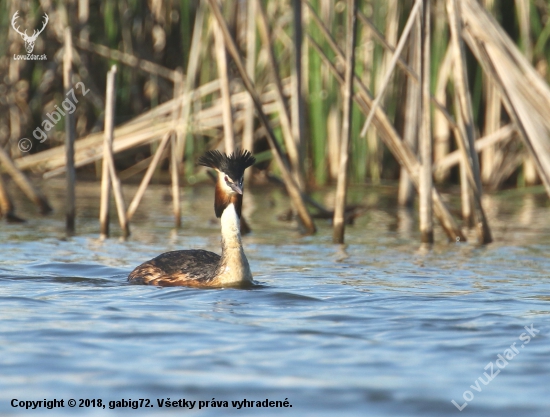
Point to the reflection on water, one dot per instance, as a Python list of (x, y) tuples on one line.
[(375, 327)]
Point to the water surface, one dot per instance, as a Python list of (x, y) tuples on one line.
[(378, 327)]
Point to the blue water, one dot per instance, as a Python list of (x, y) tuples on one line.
[(379, 327)]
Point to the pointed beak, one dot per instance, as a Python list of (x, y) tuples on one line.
[(236, 188)]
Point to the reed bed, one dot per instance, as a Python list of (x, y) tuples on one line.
[(429, 92)]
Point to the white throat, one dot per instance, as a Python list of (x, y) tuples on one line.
[(231, 227)]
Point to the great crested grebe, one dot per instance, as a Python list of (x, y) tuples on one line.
[(200, 268)]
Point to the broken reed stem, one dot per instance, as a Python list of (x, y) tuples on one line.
[(69, 136), (223, 75), (425, 134), (291, 187), (393, 62), (147, 177), (248, 130), (467, 138), (347, 92)]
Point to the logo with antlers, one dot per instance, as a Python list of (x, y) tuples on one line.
[(29, 40)]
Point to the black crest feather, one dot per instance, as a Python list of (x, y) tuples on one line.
[(232, 165)]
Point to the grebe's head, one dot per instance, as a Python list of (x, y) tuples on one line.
[(230, 168)]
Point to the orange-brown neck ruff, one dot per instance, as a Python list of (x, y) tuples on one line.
[(223, 199)]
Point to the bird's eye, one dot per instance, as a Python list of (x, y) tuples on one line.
[(226, 179)]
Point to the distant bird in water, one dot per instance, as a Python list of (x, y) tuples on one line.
[(200, 268)]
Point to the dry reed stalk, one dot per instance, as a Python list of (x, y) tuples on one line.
[(523, 14), (466, 197), (492, 124), (368, 62), (387, 77), (425, 133), (340, 56), (525, 95), (391, 35), (23, 183), (402, 64), (248, 130), (441, 128), (190, 80), (221, 59), (84, 156), (69, 136), (110, 105), (334, 130), (174, 165), (119, 198), (6, 206), (347, 92), (383, 76), (147, 177), (174, 173), (450, 160), (55, 157), (509, 164), (400, 150), (530, 171), (83, 15), (105, 193), (466, 193), (381, 38), (152, 123), (291, 187), (405, 194), (137, 167), (296, 98), (493, 107), (126, 58), (284, 116), (376, 150), (464, 109)]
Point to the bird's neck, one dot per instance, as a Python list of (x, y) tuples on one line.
[(231, 228), (234, 265)]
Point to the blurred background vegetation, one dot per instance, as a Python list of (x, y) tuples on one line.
[(160, 32)]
